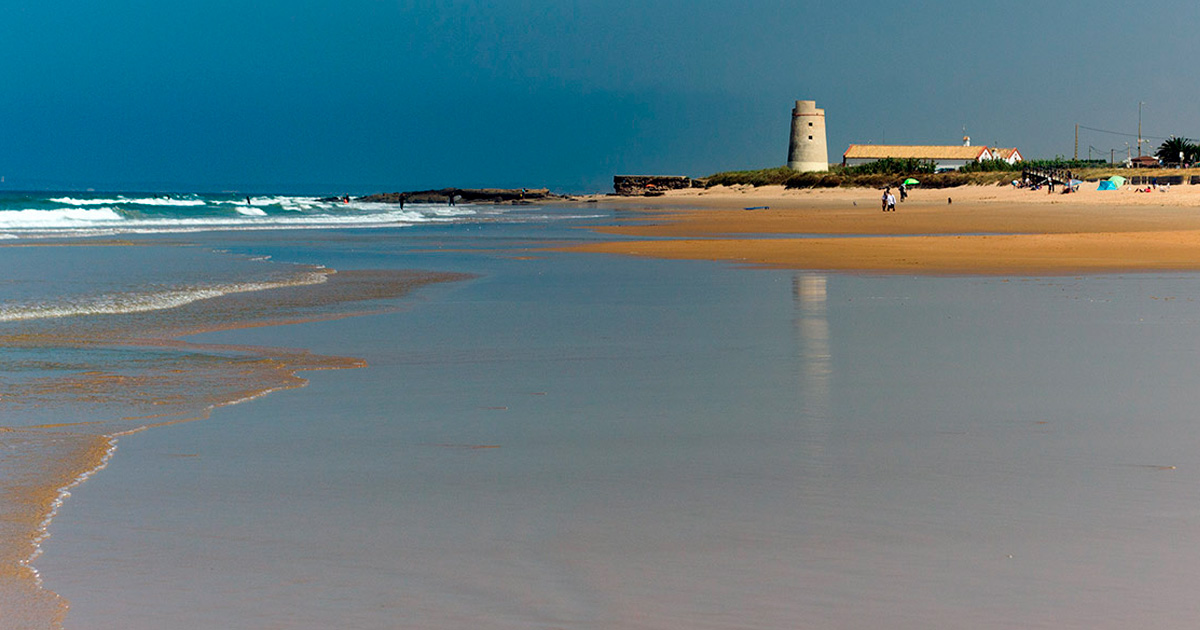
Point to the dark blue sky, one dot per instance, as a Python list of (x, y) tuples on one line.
[(371, 95)]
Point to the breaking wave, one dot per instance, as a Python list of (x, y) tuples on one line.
[(59, 215), (142, 301)]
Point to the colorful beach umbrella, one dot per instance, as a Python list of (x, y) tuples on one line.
[(911, 182), (1117, 180)]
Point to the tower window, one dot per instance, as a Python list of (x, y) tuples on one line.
[(810, 137), (809, 124)]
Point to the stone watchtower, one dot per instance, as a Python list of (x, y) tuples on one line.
[(807, 151)]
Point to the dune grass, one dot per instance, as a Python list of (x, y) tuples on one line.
[(852, 177)]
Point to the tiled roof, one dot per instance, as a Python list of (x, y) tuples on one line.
[(1003, 154), (920, 152)]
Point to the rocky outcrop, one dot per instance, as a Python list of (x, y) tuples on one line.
[(465, 195), (651, 185)]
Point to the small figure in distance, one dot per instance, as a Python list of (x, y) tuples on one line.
[(903, 191), (891, 202), (403, 196), (887, 192)]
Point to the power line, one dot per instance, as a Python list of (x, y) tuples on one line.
[(1118, 133)]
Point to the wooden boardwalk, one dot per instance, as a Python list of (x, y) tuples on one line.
[(1060, 176)]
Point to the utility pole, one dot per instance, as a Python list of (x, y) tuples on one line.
[(1077, 142), (1140, 103)]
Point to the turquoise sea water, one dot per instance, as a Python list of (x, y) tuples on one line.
[(581, 441)]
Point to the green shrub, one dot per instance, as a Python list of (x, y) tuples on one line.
[(846, 177), (802, 180), (761, 177), (892, 166), (990, 166), (945, 180), (878, 180), (829, 181)]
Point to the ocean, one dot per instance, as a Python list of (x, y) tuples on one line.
[(98, 214), (334, 415)]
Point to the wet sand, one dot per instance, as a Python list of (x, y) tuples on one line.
[(133, 372), (581, 441), (970, 230)]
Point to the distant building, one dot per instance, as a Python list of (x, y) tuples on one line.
[(1011, 156), (1144, 161), (807, 150), (942, 156)]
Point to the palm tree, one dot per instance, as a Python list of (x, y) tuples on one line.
[(1177, 150)]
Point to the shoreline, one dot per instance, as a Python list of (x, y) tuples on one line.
[(987, 230), (522, 432), (45, 462)]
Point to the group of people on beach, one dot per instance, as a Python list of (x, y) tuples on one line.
[(1046, 183), (889, 200), (1153, 187)]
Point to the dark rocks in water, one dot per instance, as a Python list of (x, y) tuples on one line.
[(465, 195), (651, 185)]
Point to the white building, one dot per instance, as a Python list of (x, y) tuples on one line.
[(943, 157), (1011, 156), (806, 150)]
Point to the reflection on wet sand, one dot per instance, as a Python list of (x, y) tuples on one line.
[(130, 372), (813, 349), (812, 332)]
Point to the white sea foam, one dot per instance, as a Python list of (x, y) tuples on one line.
[(64, 218), (141, 201), (118, 214), (138, 302), (108, 221), (43, 530)]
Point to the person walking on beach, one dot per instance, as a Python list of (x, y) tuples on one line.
[(891, 202), (903, 191), (887, 192)]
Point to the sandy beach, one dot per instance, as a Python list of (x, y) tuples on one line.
[(968, 230), (595, 441)]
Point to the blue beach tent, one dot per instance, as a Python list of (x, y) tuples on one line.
[(1107, 185)]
